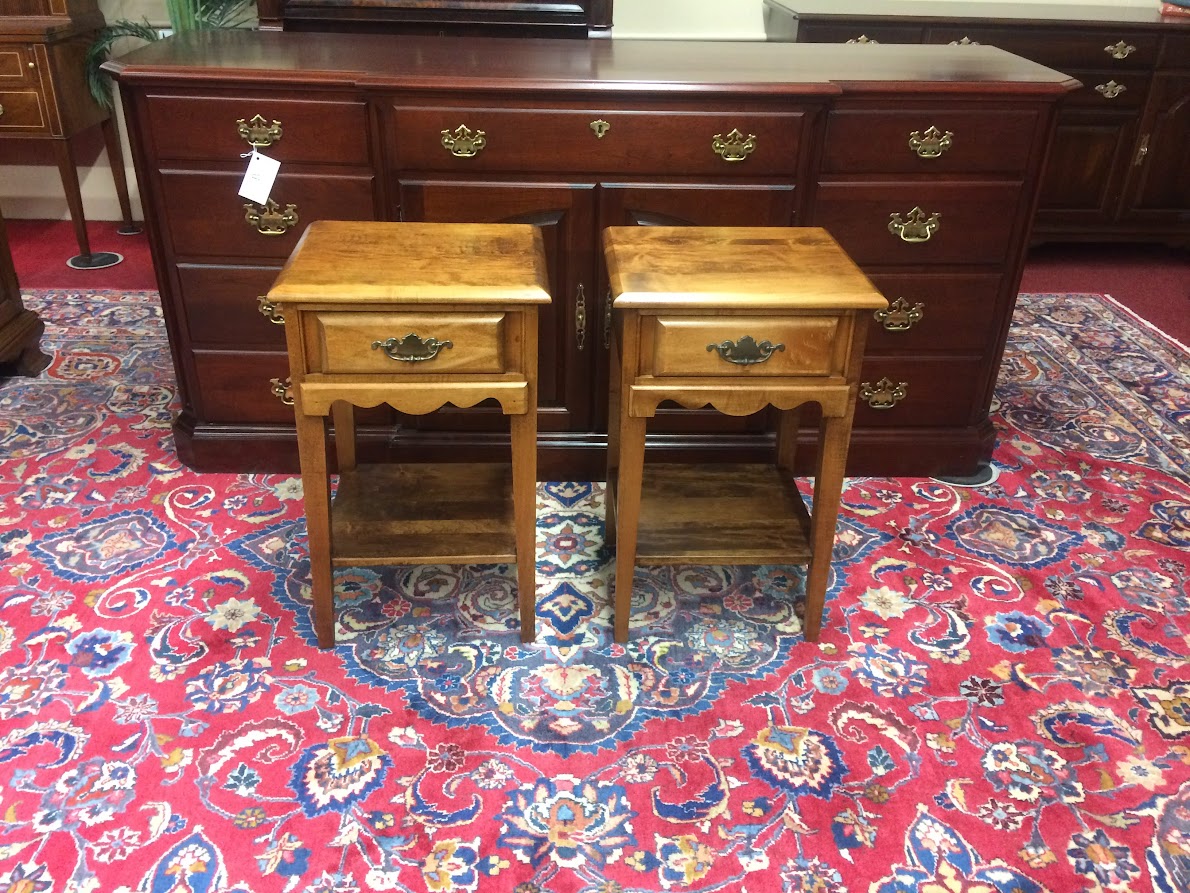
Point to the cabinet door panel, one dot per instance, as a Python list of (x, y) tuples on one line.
[(567, 340), (1081, 183), (1160, 188)]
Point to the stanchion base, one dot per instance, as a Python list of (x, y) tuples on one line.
[(95, 261), (984, 475), (132, 230)]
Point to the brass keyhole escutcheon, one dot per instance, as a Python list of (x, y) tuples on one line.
[(600, 128)]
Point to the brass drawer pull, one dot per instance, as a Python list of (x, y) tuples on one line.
[(746, 352), (965, 42), (282, 390), (884, 394), (271, 220), (1, 110), (580, 318), (411, 349), (1120, 50), (863, 38), (932, 143), (1110, 90), (918, 228), (899, 316), (269, 310), (464, 143), (733, 147), (258, 132)]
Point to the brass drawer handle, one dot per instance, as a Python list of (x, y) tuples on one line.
[(282, 390), (746, 352), (269, 310), (1120, 50), (918, 228), (965, 42), (733, 147), (411, 349), (863, 38), (899, 316), (1110, 90), (464, 143), (932, 143), (1, 110), (258, 132), (271, 220), (580, 318), (884, 394)]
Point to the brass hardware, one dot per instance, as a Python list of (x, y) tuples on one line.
[(411, 349), (884, 394), (733, 147), (746, 352), (863, 38), (1119, 50), (1, 110), (580, 318), (965, 42), (271, 220), (282, 390), (607, 319), (269, 310), (464, 143), (900, 317), (1141, 151), (31, 64), (258, 132), (932, 143), (918, 228), (1110, 90), (600, 128)]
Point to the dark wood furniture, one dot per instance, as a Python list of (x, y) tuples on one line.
[(742, 319), (1120, 164), (44, 96), (414, 316), (521, 18), (575, 136), (20, 328)]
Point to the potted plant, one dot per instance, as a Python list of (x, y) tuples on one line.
[(184, 15)]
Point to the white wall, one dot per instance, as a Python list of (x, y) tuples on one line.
[(36, 192)]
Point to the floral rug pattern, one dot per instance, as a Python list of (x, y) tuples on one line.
[(1000, 700)]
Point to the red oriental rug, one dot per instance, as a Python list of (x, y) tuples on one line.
[(1000, 700)]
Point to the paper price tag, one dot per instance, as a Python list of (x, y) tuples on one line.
[(259, 178)]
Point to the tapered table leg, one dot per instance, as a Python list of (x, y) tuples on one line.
[(311, 431), (628, 493)]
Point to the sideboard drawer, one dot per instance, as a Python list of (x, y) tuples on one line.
[(293, 131), (23, 111), (408, 342), (785, 345), (917, 391), (974, 221), (935, 312), (858, 32), (236, 386), (222, 306), (1061, 49), (928, 141), (206, 218), (472, 138), (17, 66), (1110, 89)]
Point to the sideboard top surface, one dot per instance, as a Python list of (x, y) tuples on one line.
[(637, 66), (986, 11)]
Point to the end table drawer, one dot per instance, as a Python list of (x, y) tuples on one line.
[(407, 343), (22, 110), (748, 345)]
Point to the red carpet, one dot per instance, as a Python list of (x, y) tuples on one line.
[(40, 249), (999, 702)]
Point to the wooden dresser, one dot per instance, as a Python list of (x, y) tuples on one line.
[(1120, 164), (575, 136), (20, 328), (44, 96)]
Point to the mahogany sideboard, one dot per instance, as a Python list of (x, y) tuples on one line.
[(924, 164), (1119, 168)]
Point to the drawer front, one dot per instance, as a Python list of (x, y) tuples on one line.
[(858, 32), (928, 141), (930, 312), (294, 131), (748, 345), (974, 224), (1176, 52), (222, 309), (235, 386), (917, 391), (406, 343), (1060, 48), (17, 67), (1109, 90), (206, 218), (727, 143), (22, 111)]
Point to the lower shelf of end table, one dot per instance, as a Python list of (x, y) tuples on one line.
[(720, 514), (435, 513)]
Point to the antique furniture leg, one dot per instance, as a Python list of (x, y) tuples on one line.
[(828, 490), (311, 432), (115, 158), (86, 259), (628, 494)]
